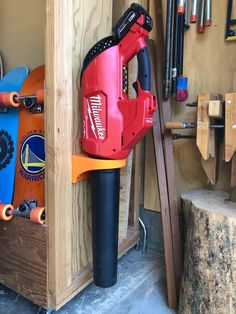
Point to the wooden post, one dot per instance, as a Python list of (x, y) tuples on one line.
[(208, 282)]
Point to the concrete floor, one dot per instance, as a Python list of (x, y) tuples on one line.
[(141, 289)]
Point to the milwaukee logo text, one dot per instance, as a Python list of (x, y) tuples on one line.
[(96, 116)]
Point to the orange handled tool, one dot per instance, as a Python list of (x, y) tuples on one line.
[(190, 125), (9, 99), (179, 125)]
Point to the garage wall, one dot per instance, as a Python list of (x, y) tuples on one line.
[(22, 32)]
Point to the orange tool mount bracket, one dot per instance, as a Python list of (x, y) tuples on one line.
[(82, 164)]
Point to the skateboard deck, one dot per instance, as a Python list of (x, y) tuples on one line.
[(30, 162), (12, 81)]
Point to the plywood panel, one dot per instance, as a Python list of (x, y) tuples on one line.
[(86, 34), (23, 262), (22, 25)]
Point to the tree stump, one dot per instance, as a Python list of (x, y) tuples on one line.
[(209, 277)]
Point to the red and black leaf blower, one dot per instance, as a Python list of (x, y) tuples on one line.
[(113, 124)]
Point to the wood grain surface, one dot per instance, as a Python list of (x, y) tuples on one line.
[(208, 278), (85, 35), (151, 189), (23, 259), (203, 122), (230, 125)]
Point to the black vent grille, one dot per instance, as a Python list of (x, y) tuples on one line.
[(99, 47)]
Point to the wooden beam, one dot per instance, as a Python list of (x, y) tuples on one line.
[(165, 116), (230, 125), (209, 165), (215, 108), (58, 135), (203, 122), (164, 201), (233, 172)]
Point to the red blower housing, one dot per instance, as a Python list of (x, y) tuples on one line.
[(112, 123)]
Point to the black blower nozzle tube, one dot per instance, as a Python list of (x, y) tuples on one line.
[(105, 190)]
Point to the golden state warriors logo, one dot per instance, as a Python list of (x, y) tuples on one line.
[(32, 157)]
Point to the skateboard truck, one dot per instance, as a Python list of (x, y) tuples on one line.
[(28, 209), (34, 103), (24, 209)]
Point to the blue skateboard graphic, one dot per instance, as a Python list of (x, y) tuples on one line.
[(11, 82)]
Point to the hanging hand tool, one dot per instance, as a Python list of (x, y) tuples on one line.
[(178, 136), (174, 53), (194, 11), (182, 82), (112, 125), (189, 125), (201, 26), (186, 14), (169, 18), (181, 7), (178, 82), (1, 67), (192, 104), (207, 16)]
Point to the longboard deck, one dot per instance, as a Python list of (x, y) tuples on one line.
[(12, 81), (30, 163)]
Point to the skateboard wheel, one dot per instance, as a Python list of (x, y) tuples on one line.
[(40, 96), (37, 215), (9, 99), (4, 212)]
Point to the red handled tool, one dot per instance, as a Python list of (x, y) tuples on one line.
[(194, 10), (113, 124), (181, 6), (208, 9), (201, 24)]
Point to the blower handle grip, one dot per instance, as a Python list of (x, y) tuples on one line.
[(144, 71)]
